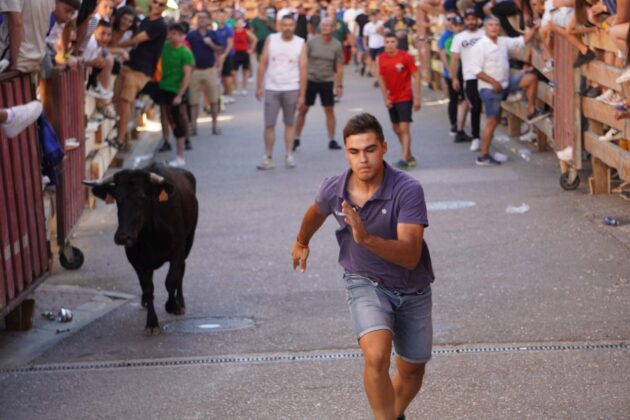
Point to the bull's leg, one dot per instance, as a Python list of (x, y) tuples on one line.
[(146, 283), (175, 273), (179, 295)]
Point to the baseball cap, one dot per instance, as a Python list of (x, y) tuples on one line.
[(457, 20), (470, 12)]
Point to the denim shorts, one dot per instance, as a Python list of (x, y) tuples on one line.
[(408, 317), (492, 100)]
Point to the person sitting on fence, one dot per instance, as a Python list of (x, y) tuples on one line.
[(103, 11), (100, 63), (123, 29), (14, 120), (23, 36), (490, 64)]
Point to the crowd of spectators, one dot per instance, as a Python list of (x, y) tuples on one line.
[(186, 57)]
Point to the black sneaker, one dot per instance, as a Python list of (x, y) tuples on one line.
[(333, 145), (296, 144), (453, 130), (537, 115), (591, 92), (462, 137), (582, 59), (188, 145), (166, 147), (487, 160)]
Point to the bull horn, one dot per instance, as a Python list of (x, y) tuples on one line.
[(155, 178), (93, 183)]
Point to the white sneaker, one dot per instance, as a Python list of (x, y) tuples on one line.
[(71, 144), (529, 137), (244, 92), (178, 162), (625, 76), (267, 163), (548, 66), (23, 116), (566, 154), (500, 157), (4, 64), (606, 96), (514, 97), (475, 145), (99, 92), (229, 100), (289, 161), (610, 135)]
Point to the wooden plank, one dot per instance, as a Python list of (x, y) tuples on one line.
[(545, 93), (600, 40), (609, 154), (538, 63), (522, 54), (519, 109), (602, 112), (602, 73), (601, 177)]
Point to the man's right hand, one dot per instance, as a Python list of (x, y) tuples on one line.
[(455, 85), (299, 256), (259, 93), (388, 103), (496, 86)]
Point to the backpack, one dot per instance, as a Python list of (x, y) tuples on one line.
[(51, 148)]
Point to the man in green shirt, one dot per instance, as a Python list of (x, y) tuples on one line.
[(177, 65), (262, 28)]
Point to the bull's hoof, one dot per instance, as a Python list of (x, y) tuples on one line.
[(180, 311), (144, 303), (172, 307), (150, 331)]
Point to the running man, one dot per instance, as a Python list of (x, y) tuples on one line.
[(283, 70), (387, 275), (399, 80), (325, 78)]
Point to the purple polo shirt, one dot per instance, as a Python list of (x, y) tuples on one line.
[(399, 199)]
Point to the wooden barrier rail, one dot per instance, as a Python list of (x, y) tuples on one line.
[(23, 244)]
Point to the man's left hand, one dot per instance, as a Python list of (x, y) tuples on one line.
[(338, 91), (177, 100), (416, 105), (354, 221)]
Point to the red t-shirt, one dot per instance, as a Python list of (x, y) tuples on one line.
[(240, 40), (396, 71)]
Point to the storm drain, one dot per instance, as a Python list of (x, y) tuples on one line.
[(207, 325), (300, 357)]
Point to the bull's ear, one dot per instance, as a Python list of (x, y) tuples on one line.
[(164, 191), (104, 192)]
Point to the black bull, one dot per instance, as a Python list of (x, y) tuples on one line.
[(157, 217)]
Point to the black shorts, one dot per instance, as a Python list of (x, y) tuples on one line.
[(375, 52), (401, 112), (260, 45), (241, 59), (325, 90), (228, 66)]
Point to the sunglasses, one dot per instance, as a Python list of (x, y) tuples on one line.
[(160, 4)]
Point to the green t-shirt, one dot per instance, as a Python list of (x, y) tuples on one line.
[(173, 62), (260, 28), (341, 31)]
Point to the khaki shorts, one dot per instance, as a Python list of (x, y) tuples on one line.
[(206, 77), (129, 83)]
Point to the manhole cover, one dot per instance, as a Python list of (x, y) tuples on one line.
[(206, 325)]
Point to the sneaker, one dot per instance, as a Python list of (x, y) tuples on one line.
[(537, 115), (582, 59), (553, 84), (99, 92), (23, 116), (462, 137), (487, 160), (500, 157), (229, 100), (514, 97), (71, 144), (402, 165), (267, 163), (475, 145), (566, 154), (107, 112), (529, 137), (611, 135), (188, 145), (453, 130), (4, 64), (591, 92), (333, 145), (244, 92), (605, 96), (166, 147), (296, 144), (548, 66), (412, 162), (289, 161), (178, 162), (625, 77)]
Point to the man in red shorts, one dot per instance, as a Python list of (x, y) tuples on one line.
[(399, 80)]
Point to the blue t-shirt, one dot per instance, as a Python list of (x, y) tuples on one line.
[(399, 199), (223, 35), (442, 45), (204, 55)]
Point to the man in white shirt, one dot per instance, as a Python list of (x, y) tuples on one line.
[(373, 41), (461, 49), (490, 64)]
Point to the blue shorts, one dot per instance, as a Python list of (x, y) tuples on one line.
[(360, 47), (408, 317), (492, 100)]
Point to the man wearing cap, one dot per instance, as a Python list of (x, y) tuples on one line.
[(461, 49)]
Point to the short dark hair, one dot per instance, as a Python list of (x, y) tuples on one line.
[(289, 17), (363, 123), (390, 35), (104, 24), (75, 4), (177, 26)]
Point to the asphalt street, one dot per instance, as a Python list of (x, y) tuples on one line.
[(531, 311)]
